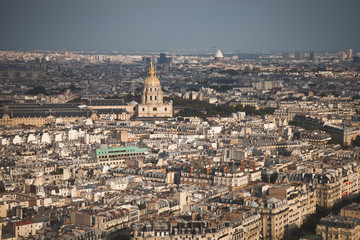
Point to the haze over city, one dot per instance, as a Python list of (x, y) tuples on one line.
[(168, 25), (179, 120)]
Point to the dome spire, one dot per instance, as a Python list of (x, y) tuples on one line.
[(151, 70)]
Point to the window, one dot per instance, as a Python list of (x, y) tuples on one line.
[(154, 109), (150, 97), (150, 89), (165, 109), (155, 97), (143, 109)]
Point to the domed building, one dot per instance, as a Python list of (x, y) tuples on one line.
[(152, 103), (219, 56)]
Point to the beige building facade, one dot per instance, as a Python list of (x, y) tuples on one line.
[(152, 99), (337, 184), (339, 227)]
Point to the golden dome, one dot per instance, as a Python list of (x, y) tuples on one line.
[(151, 80)]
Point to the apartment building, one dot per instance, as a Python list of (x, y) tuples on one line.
[(118, 155), (339, 227)]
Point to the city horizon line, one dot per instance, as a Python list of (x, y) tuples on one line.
[(155, 51)]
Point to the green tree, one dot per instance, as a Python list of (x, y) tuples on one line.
[(355, 97), (73, 88), (2, 187), (37, 90), (79, 100), (129, 98), (231, 72)]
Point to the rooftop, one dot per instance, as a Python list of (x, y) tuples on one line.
[(117, 150)]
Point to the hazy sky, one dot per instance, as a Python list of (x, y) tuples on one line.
[(252, 25)]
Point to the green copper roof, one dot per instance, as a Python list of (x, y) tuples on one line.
[(117, 150)]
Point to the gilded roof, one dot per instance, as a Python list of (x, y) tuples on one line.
[(152, 80)]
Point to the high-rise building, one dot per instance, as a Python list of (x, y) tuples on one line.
[(163, 59), (313, 56), (147, 59), (285, 55), (356, 59), (349, 53), (299, 55), (342, 56)]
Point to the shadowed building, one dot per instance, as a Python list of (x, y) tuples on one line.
[(352, 210), (163, 59), (42, 114), (313, 56), (299, 55), (338, 227)]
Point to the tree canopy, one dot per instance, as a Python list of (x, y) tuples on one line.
[(37, 90)]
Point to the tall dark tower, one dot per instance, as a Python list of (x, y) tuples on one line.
[(313, 56), (162, 58)]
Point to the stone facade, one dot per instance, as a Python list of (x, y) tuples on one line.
[(152, 102), (338, 227)]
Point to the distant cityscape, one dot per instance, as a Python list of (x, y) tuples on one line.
[(179, 145)]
